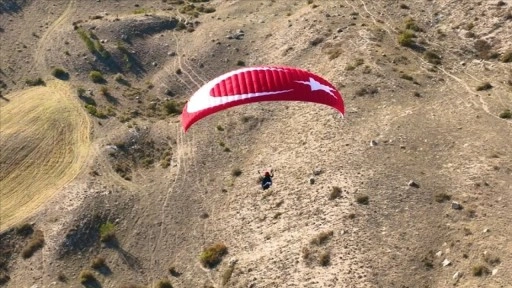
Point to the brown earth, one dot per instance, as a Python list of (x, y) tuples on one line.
[(169, 195)]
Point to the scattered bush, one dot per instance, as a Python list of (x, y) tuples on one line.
[(87, 40), (410, 24), (322, 238), (316, 41), (240, 63), (506, 114), (35, 243), (24, 229), (62, 277), (219, 128), (484, 86), (406, 77), (432, 57), (107, 231), (491, 259), (86, 276), (363, 199), (441, 197), (173, 107), (96, 77), (212, 256), (104, 91), (324, 258), (98, 262), (4, 277), (480, 270), (335, 193), (35, 82), (507, 57), (164, 284), (406, 38), (227, 275), (236, 172), (60, 73), (94, 111)]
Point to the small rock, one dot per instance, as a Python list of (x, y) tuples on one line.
[(486, 230), (439, 253), (374, 143), (232, 262), (446, 262), (457, 275), (456, 205), (413, 184), (317, 171), (154, 64), (171, 53), (311, 180), (494, 271)]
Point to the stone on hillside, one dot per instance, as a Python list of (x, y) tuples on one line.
[(486, 230), (439, 253), (446, 262), (456, 205), (457, 275), (311, 180), (494, 271), (374, 143), (317, 171), (413, 184)]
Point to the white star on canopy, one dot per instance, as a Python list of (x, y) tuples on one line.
[(315, 85)]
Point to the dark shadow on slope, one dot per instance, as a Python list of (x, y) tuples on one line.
[(128, 258), (11, 6), (92, 284)]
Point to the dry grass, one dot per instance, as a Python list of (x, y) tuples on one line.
[(322, 238)]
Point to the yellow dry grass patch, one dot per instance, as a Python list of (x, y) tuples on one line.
[(44, 142)]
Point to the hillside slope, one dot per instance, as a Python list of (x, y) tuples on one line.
[(427, 86)]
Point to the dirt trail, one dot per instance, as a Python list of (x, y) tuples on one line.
[(40, 52), (45, 141)]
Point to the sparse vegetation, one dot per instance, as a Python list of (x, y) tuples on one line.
[(363, 199), (98, 262), (432, 57), (94, 111), (484, 86), (506, 57), (96, 76), (35, 82), (324, 258), (442, 197), (226, 275), (87, 40), (62, 277), (506, 114), (35, 243), (240, 63), (86, 276), (322, 238), (172, 107), (164, 283), (107, 232), (480, 270), (335, 193), (212, 255), (405, 38), (60, 73), (236, 172)]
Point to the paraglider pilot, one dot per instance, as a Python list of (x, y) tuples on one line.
[(266, 182)]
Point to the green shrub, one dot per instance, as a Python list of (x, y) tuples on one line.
[(60, 73), (322, 238), (94, 111), (432, 57), (506, 114), (406, 38), (35, 243), (86, 276), (98, 262), (164, 284), (172, 107), (335, 193), (507, 57), (35, 82), (107, 231), (87, 40), (212, 256), (484, 86), (324, 259), (236, 172), (480, 270), (96, 76), (441, 197), (363, 199)]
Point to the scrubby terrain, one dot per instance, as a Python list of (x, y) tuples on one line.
[(100, 187)]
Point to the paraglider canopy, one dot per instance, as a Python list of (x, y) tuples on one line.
[(257, 84)]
